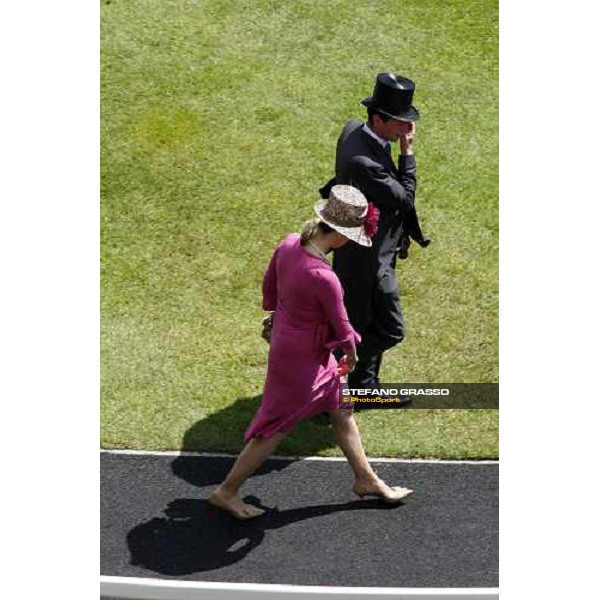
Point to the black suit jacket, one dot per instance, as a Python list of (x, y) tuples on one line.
[(365, 273), (353, 143), (363, 163)]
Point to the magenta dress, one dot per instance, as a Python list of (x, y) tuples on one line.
[(310, 320)]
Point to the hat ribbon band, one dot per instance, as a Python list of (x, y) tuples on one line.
[(352, 222)]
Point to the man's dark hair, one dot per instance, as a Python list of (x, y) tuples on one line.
[(371, 112)]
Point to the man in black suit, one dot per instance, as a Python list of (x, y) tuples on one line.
[(364, 160)]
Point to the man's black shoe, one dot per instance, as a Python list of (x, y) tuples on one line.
[(403, 401)]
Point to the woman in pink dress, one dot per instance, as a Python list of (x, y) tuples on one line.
[(303, 376)]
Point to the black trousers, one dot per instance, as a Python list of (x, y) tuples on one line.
[(372, 300), (385, 330)]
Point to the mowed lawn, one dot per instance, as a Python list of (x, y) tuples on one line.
[(219, 124)]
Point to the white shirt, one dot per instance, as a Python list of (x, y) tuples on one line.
[(383, 142)]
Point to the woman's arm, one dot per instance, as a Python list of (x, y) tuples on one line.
[(331, 297), (269, 284)]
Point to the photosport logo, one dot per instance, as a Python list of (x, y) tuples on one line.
[(424, 395)]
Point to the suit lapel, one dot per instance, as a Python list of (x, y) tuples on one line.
[(379, 152)]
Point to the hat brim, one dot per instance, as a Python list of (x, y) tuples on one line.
[(356, 234), (412, 114)]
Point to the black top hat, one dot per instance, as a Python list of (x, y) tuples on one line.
[(393, 97)]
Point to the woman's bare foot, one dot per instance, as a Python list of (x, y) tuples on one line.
[(378, 488), (234, 505)]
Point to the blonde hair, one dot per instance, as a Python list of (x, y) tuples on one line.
[(311, 228)]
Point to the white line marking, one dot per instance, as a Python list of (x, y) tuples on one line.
[(434, 461), (160, 589)]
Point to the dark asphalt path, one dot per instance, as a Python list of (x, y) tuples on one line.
[(155, 523)]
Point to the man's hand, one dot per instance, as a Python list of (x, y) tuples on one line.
[(403, 246), (406, 140)]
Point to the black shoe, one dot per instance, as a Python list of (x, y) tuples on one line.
[(403, 401), (368, 385), (399, 402)]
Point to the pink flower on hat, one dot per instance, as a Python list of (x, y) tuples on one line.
[(371, 220)]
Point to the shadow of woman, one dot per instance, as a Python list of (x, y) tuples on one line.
[(224, 432), (194, 536)]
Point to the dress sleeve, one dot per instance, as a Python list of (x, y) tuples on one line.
[(269, 284), (331, 297)]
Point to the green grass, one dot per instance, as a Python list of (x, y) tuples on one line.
[(219, 123)]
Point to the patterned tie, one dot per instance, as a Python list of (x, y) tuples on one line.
[(388, 151)]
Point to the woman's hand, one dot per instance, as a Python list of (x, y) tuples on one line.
[(346, 364), (351, 360)]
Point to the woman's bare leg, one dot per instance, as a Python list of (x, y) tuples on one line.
[(348, 437), (226, 496)]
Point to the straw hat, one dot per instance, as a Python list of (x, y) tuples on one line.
[(345, 210)]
